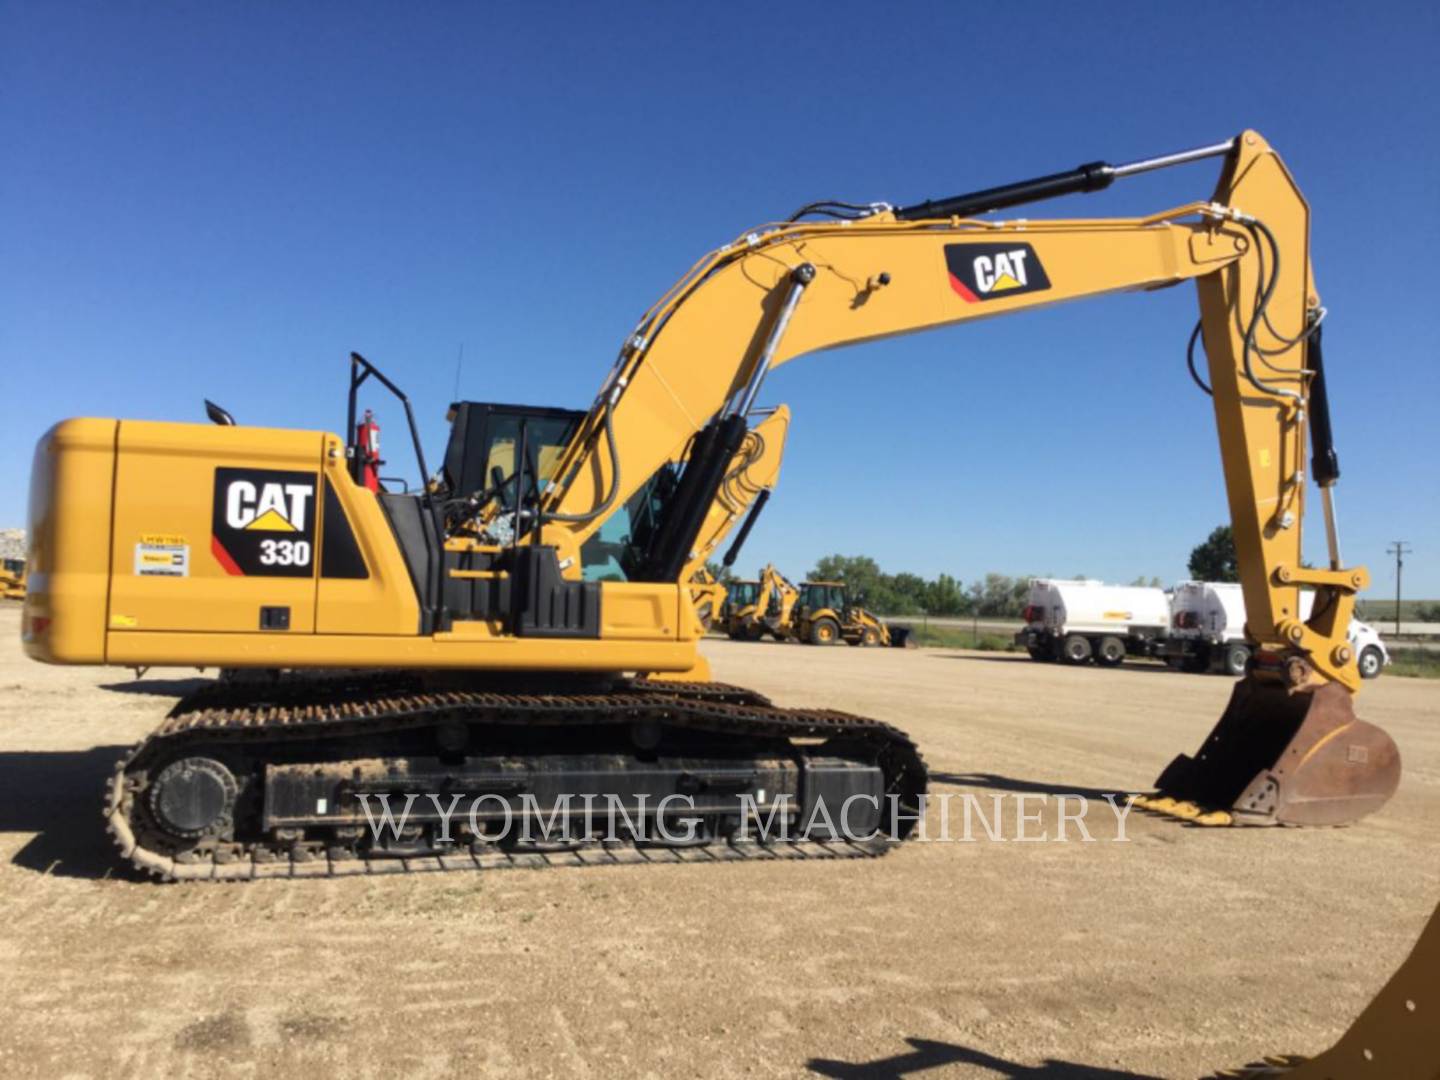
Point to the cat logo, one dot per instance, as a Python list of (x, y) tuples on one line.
[(273, 508), (263, 522), (980, 272)]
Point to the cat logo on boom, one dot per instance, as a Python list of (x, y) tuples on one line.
[(981, 272), (263, 522)]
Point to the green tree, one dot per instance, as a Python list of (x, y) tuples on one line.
[(995, 596), (911, 593), (945, 596), (1019, 597), (1214, 560), (857, 570)]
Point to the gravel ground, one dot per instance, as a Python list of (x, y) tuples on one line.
[(1175, 951)]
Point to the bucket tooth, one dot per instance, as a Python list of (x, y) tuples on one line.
[(1281, 756)]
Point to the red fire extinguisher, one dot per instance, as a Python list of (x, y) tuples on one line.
[(367, 441)]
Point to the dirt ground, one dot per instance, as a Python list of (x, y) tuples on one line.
[(1177, 951)]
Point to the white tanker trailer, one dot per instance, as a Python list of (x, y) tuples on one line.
[(1080, 621)]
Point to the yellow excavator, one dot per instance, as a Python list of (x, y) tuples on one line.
[(522, 637)]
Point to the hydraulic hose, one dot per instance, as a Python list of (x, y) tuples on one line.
[(604, 507)]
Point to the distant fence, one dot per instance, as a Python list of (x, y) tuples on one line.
[(1409, 631)]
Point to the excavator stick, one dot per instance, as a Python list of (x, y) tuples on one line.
[(1283, 756)]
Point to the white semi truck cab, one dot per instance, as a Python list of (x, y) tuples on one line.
[(1207, 631), (1080, 621)]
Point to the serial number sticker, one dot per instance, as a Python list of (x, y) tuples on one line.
[(162, 559)]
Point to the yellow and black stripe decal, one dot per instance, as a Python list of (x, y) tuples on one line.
[(340, 555)]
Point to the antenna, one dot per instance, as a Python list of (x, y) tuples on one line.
[(459, 363)]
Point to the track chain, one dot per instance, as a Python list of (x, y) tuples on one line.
[(301, 707)]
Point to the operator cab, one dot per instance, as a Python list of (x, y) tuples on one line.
[(483, 455), (482, 465), (484, 447), (819, 595), (740, 594)]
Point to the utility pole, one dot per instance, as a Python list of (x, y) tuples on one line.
[(1399, 549)]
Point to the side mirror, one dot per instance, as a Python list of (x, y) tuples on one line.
[(218, 415)]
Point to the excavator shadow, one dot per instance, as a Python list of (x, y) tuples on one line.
[(56, 794), (929, 1054), (1021, 658), (996, 782), (986, 657), (176, 688)]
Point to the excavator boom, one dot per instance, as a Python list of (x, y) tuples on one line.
[(810, 286)]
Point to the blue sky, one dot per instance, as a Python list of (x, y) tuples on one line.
[(223, 200)]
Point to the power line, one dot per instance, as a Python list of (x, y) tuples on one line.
[(1399, 549)]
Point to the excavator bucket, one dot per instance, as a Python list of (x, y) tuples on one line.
[(1282, 756), (1395, 1037)]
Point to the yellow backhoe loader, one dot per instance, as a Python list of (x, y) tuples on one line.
[(708, 597), (745, 619), (12, 579), (500, 637), (780, 614), (742, 494), (766, 609), (825, 615), (740, 593)]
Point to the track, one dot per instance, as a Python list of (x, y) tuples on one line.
[(259, 724)]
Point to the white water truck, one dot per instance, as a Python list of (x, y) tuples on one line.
[(1207, 631), (1079, 621)]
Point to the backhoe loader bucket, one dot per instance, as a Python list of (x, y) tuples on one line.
[(1282, 756)]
